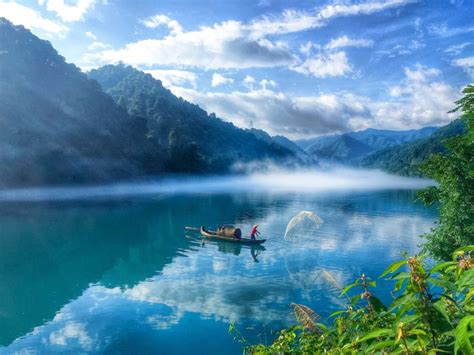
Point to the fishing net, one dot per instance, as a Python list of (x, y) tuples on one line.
[(304, 224)]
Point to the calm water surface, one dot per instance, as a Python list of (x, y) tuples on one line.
[(119, 275)]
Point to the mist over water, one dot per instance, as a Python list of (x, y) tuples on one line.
[(272, 181)]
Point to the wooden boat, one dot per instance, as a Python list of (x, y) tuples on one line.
[(213, 236)]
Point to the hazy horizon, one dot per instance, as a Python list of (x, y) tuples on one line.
[(277, 180)]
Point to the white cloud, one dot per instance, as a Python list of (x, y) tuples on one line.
[(96, 45), (31, 19), (345, 41), (306, 48), (264, 83), (232, 44), (443, 30), (171, 77), (158, 20), (249, 80), (275, 111), (415, 44), (218, 79), (224, 45), (420, 100), (70, 11), (456, 48), (325, 65), (466, 63), (91, 35), (295, 21), (365, 8)]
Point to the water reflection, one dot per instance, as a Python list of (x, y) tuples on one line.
[(232, 248), (110, 276)]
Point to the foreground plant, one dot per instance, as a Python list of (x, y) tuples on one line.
[(432, 312)]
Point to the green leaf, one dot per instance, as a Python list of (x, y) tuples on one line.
[(441, 266), (466, 280), (398, 285), (379, 345), (402, 300), (346, 289), (462, 334), (410, 318), (355, 298), (443, 283), (376, 334), (377, 304), (337, 313), (461, 250), (417, 331), (393, 267), (400, 276)]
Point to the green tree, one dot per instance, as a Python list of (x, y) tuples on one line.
[(454, 193)]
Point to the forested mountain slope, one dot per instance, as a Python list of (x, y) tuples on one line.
[(407, 158), (193, 137), (350, 148), (342, 149), (57, 126)]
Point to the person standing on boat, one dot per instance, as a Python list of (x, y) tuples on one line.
[(254, 232)]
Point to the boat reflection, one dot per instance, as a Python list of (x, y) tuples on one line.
[(232, 248)]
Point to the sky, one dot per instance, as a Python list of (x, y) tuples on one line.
[(294, 68)]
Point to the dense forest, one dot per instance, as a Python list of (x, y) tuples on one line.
[(193, 139)]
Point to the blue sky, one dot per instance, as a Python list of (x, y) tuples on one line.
[(297, 68)]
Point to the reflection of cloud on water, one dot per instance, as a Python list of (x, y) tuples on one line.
[(227, 299), (69, 334), (319, 280), (164, 321)]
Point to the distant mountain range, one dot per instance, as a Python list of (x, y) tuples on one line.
[(349, 148), (60, 126), (399, 152), (407, 158)]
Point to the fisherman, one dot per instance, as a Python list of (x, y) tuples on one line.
[(254, 232)]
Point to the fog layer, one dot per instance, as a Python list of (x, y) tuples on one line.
[(274, 181)]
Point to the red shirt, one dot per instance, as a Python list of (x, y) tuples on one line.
[(254, 230)]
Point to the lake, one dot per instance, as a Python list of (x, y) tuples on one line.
[(114, 272)]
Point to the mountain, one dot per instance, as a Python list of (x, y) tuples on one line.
[(292, 146), (193, 137), (379, 139), (301, 157), (350, 148), (407, 158), (340, 149), (57, 126)]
